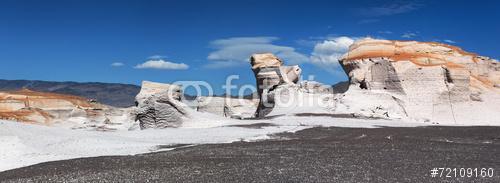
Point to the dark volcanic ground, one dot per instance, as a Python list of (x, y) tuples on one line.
[(312, 155)]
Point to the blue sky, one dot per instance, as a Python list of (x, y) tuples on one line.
[(112, 41)]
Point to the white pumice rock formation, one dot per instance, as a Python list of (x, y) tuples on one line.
[(423, 81), (270, 73), (280, 92), (159, 106), (239, 108)]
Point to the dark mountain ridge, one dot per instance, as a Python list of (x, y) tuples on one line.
[(113, 94)]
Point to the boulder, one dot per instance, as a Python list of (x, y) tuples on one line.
[(429, 81), (159, 106)]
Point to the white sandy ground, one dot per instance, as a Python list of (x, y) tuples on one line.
[(25, 144)]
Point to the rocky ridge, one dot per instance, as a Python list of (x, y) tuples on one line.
[(112, 94), (58, 109)]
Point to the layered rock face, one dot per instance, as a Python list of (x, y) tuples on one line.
[(159, 106), (50, 108), (38, 107), (422, 80)]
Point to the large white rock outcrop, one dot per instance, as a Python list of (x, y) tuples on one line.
[(280, 92), (270, 73), (159, 106), (420, 80)]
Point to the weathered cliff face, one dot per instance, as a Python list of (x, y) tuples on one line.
[(38, 107), (426, 80), (58, 109), (159, 106)]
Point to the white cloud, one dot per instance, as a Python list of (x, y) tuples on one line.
[(389, 9), (327, 53), (237, 50), (385, 32), (449, 41), (117, 64), (409, 35), (161, 64), (157, 57)]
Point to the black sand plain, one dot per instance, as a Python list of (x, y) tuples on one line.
[(319, 154)]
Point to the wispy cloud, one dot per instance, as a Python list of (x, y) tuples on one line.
[(409, 35), (389, 9), (117, 64), (162, 64), (449, 41), (237, 50), (157, 57), (385, 32), (326, 51)]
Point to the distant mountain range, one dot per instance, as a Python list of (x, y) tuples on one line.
[(113, 94)]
